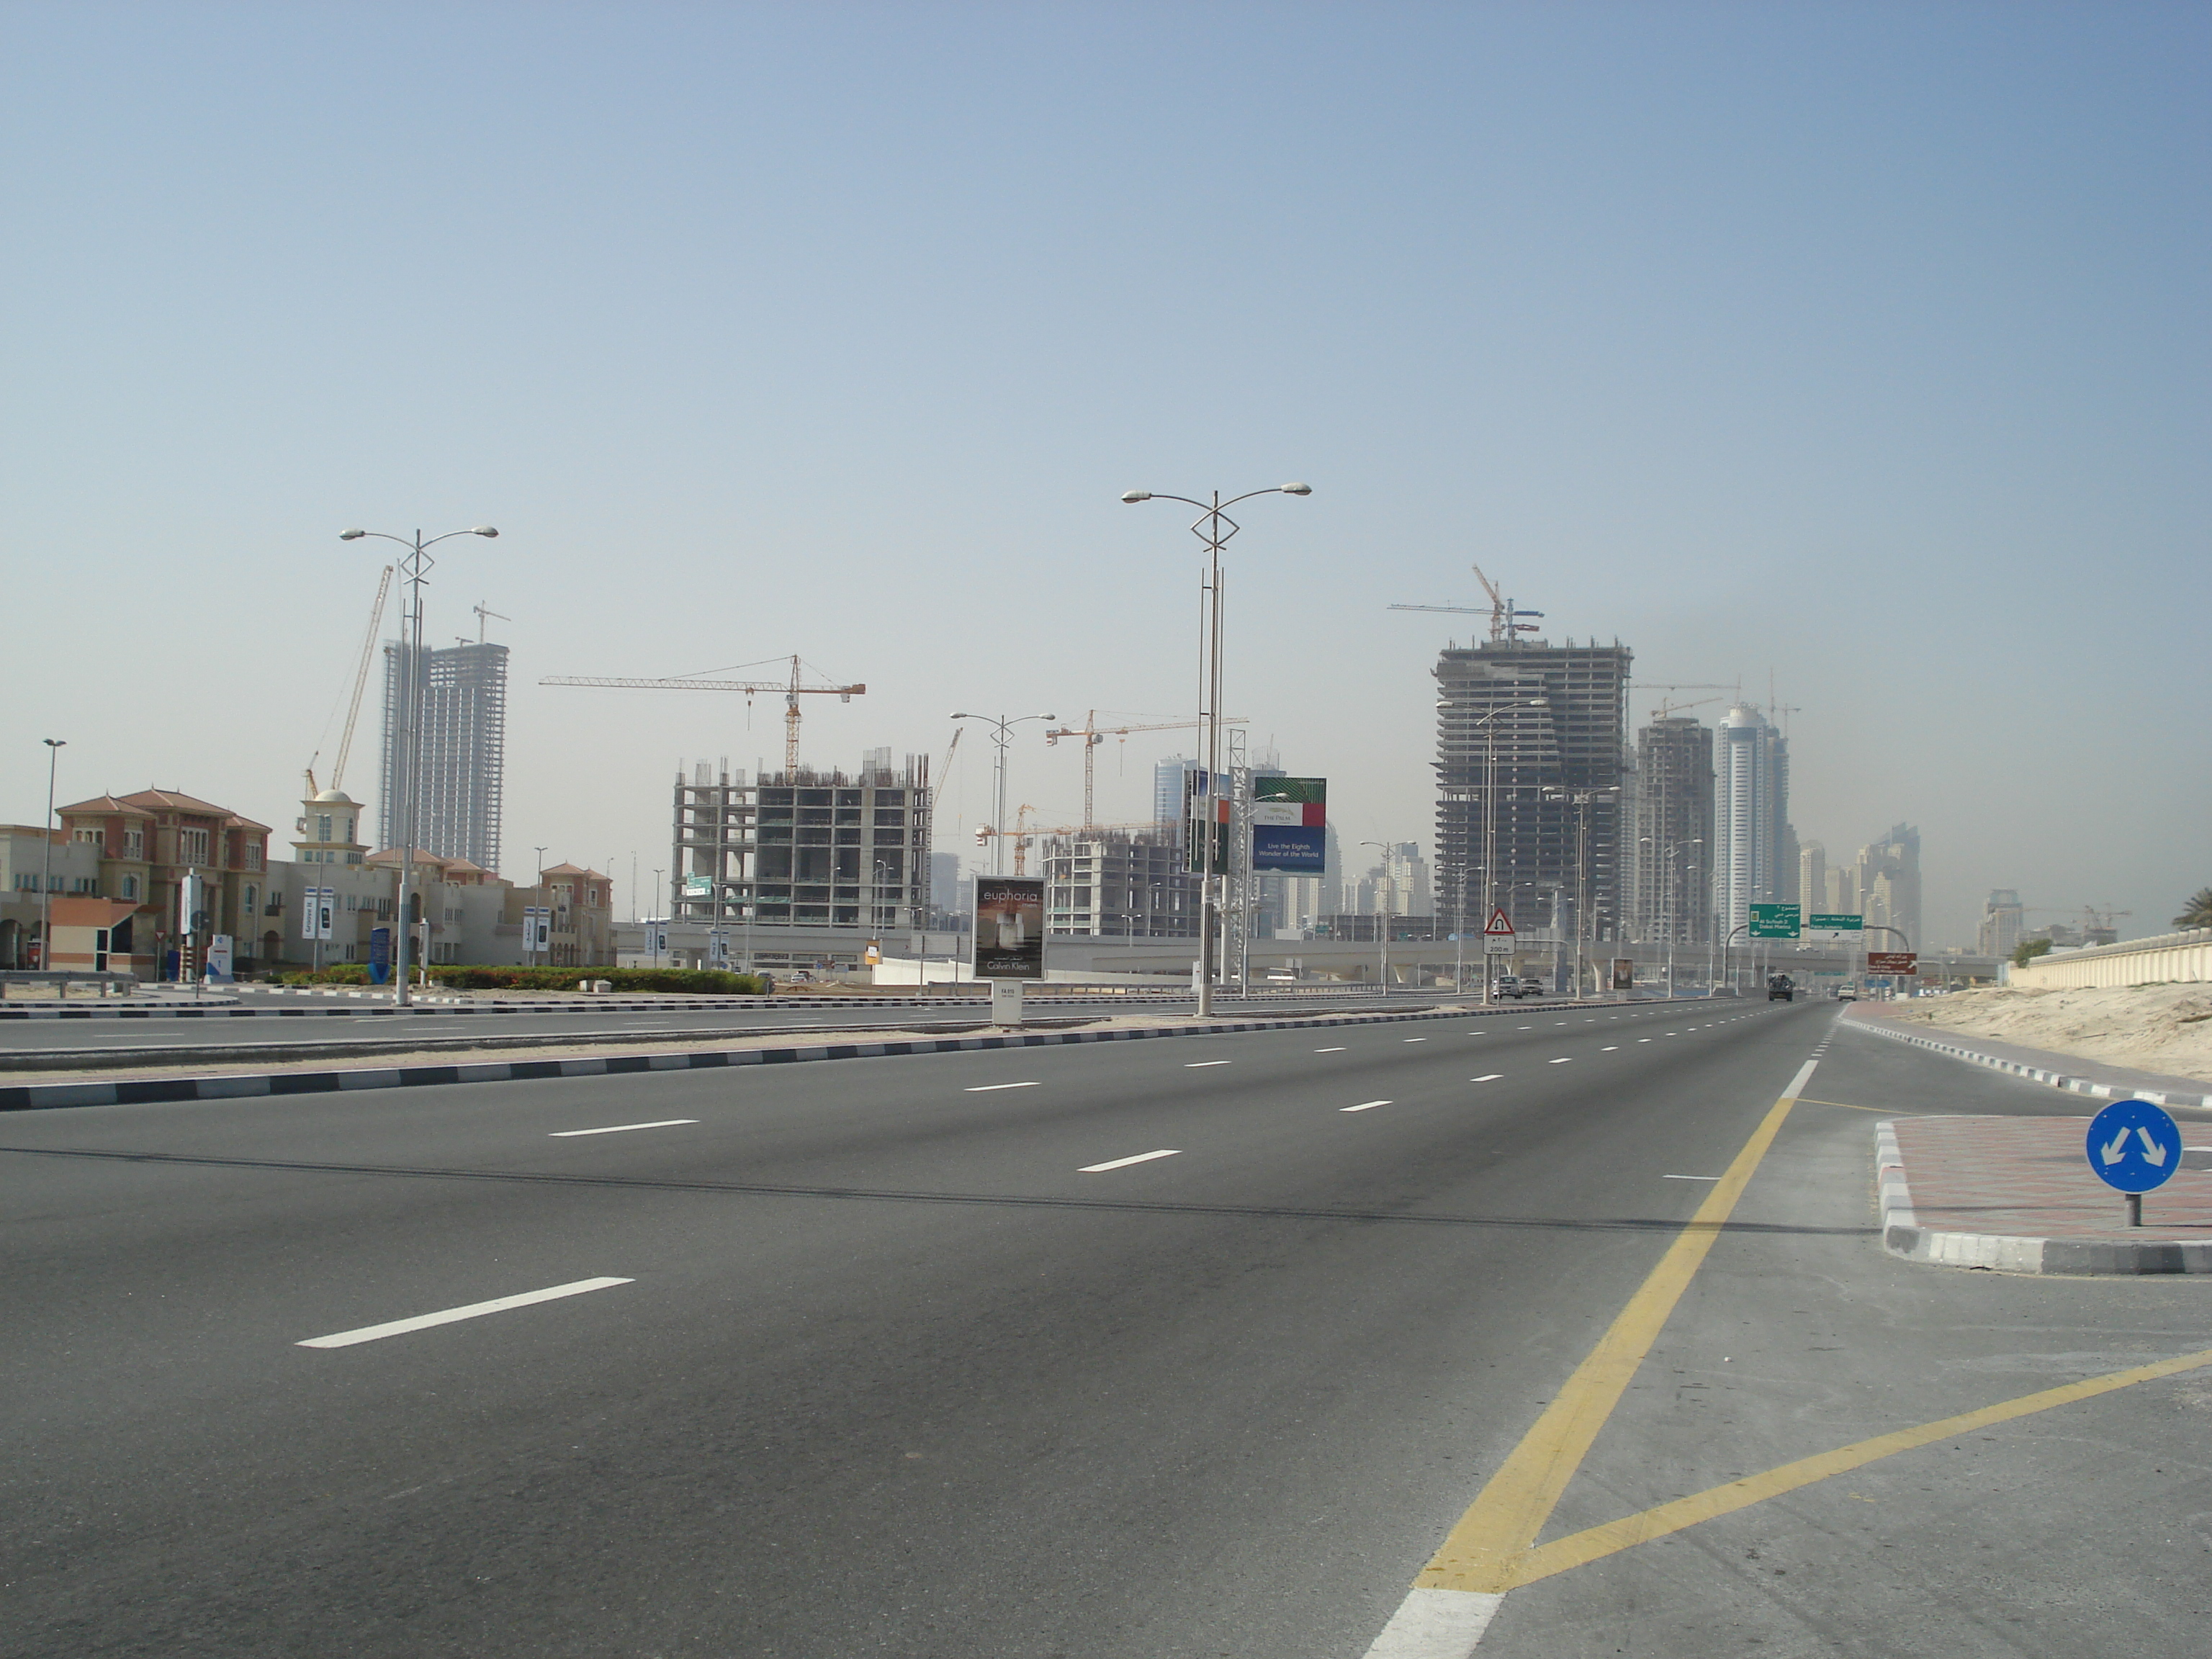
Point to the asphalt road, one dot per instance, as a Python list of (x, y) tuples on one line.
[(925, 1357)]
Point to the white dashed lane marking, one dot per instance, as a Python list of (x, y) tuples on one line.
[(1488, 1077), (452, 1316), (618, 1129), (1124, 1163), (1194, 1065), (1338, 1050), (986, 1088), (1364, 1106)]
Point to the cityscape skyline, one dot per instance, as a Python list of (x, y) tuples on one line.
[(1845, 374)]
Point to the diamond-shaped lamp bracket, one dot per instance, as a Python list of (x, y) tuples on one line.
[(1229, 527)]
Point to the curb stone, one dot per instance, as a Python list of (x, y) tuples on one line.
[(2079, 1086), (1902, 1236)]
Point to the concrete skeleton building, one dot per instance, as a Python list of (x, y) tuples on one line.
[(1119, 884), (461, 755), (804, 867), (1535, 733), (1669, 856), (2004, 921), (1888, 883)]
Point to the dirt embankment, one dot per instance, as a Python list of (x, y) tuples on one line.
[(2155, 1027)]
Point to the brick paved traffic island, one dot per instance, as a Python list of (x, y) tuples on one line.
[(2016, 1194)]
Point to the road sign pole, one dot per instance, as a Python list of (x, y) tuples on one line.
[(2134, 1209)]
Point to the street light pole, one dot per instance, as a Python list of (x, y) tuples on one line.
[(1490, 822), (412, 569), (538, 886), (1001, 730), (54, 747), (1214, 528), (1382, 920)]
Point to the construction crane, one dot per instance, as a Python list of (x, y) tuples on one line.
[(1504, 614), (793, 690), (360, 684), (1093, 734), (481, 613)]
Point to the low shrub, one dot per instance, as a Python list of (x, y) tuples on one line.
[(697, 980)]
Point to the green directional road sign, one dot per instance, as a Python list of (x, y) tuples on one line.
[(1821, 922), (1773, 921)]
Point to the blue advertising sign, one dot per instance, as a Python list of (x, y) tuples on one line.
[(1293, 848), (380, 956), (2134, 1147)]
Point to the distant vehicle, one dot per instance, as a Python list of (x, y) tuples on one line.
[(1535, 988), (1779, 988), (1512, 985), (1847, 994)]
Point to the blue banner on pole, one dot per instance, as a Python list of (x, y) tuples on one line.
[(380, 956), (1294, 849)]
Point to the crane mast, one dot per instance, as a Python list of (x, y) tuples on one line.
[(360, 684)]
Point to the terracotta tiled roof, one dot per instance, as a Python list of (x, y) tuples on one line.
[(174, 800), (107, 804), (571, 870)]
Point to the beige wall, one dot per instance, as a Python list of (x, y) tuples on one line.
[(2169, 956)]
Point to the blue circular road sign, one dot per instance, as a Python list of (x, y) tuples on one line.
[(2133, 1146)]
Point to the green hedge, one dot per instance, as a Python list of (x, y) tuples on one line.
[(696, 979)]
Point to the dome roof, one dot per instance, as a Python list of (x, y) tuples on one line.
[(338, 795)]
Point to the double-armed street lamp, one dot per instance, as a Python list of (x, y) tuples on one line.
[(1002, 728), (1214, 528), (54, 747), (412, 569)]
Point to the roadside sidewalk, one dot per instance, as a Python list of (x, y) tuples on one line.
[(2015, 1194), (2069, 1072)]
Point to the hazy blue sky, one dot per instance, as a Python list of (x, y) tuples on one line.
[(1863, 345)]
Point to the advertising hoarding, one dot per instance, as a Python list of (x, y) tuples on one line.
[(1290, 825), (1624, 973), (1009, 940)]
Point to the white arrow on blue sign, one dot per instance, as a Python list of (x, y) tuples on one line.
[(2134, 1147)]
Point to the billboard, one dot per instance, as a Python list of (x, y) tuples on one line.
[(1290, 825), (1009, 927), (1624, 973), (1194, 812)]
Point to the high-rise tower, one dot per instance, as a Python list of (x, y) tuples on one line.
[(1530, 752), (1754, 863), (1670, 862), (461, 756)]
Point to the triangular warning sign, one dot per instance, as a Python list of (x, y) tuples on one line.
[(1497, 923)]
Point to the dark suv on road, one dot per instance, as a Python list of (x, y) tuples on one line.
[(1779, 989)]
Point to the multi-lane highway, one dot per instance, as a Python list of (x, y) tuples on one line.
[(1181, 1347)]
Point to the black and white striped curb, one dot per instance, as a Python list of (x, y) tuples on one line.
[(2079, 1085), (1902, 1235), (128, 1093), (584, 1005)]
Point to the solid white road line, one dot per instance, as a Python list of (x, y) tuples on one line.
[(1436, 1623), (1364, 1106), (986, 1088), (474, 1310), (1487, 1076), (1194, 1065), (1338, 1050), (1124, 1163), (617, 1128)]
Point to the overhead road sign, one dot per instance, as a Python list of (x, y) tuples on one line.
[(1904, 963), (1835, 922), (1773, 921)]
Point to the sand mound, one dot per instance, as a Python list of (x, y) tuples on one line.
[(2155, 1027)]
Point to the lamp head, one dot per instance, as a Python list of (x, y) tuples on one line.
[(1133, 497), (483, 530), (55, 743), (351, 535), (1298, 490)]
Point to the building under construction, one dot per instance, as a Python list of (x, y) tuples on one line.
[(1120, 883), (460, 756), (1530, 765), (1669, 858), (802, 849)]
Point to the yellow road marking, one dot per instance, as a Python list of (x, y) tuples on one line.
[(1579, 1549), (1482, 1551)]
